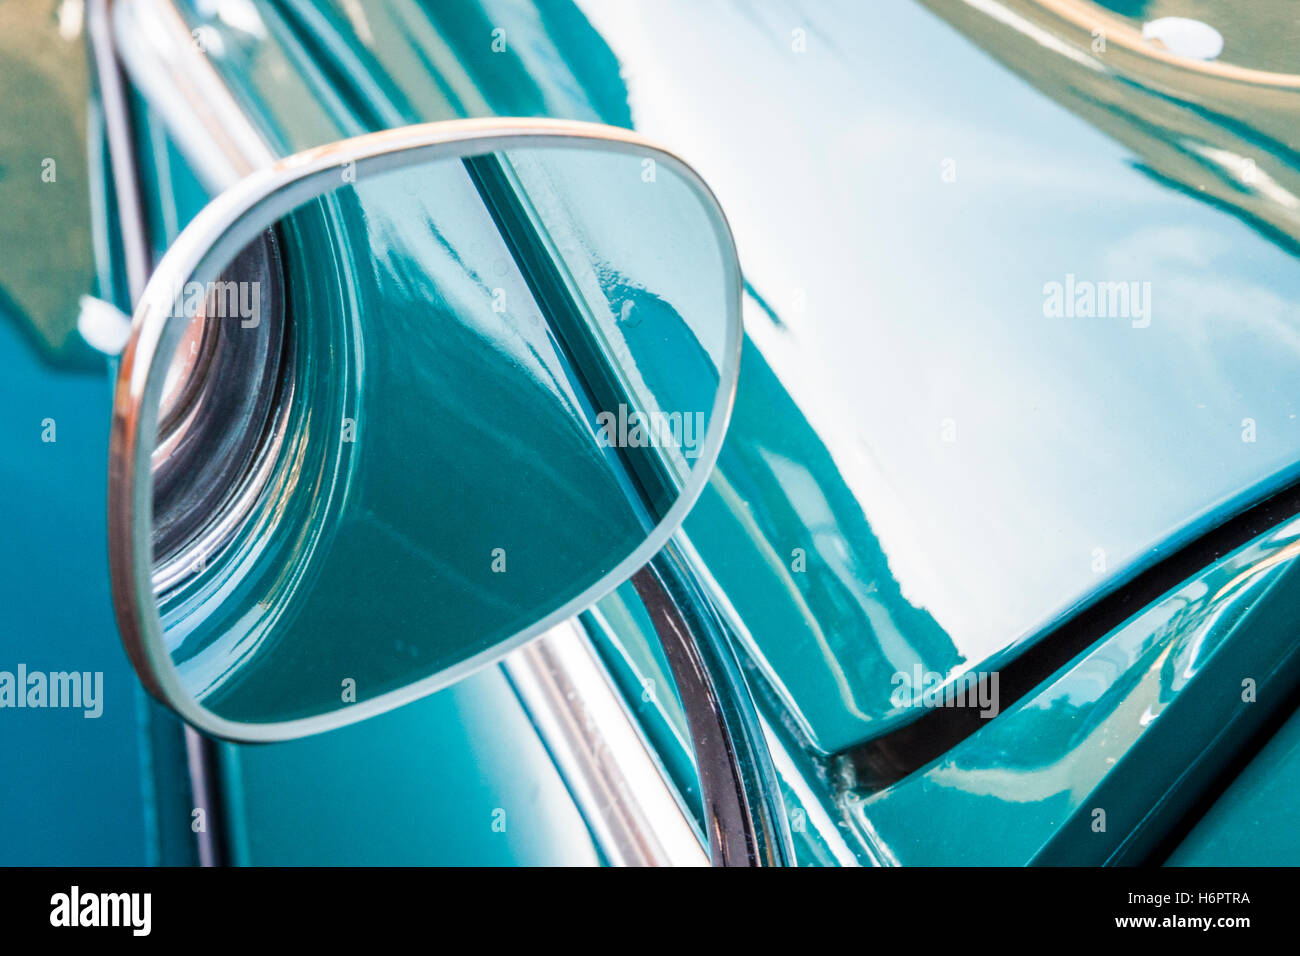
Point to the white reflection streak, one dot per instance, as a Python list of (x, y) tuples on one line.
[(1043, 38)]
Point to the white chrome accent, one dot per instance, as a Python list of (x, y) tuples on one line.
[(610, 770), (1183, 36), (103, 325)]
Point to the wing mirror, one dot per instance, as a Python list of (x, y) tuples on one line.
[(396, 405)]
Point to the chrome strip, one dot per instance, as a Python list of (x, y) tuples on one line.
[(744, 809), (117, 130), (136, 252), (200, 762), (161, 54), (633, 812), (559, 680), (828, 829)]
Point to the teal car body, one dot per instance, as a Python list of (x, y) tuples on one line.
[(930, 469)]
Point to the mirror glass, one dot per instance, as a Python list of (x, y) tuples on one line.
[(410, 410)]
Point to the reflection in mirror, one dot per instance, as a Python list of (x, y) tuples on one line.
[(425, 412)]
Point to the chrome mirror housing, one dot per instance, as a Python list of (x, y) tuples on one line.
[(397, 405)]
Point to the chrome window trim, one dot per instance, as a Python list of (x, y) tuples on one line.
[(819, 817)]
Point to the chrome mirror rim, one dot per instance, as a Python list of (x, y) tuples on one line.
[(130, 485)]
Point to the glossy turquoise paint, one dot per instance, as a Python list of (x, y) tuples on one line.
[(1132, 728), (1254, 822), (108, 789), (458, 779), (73, 788), (300, 802)]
